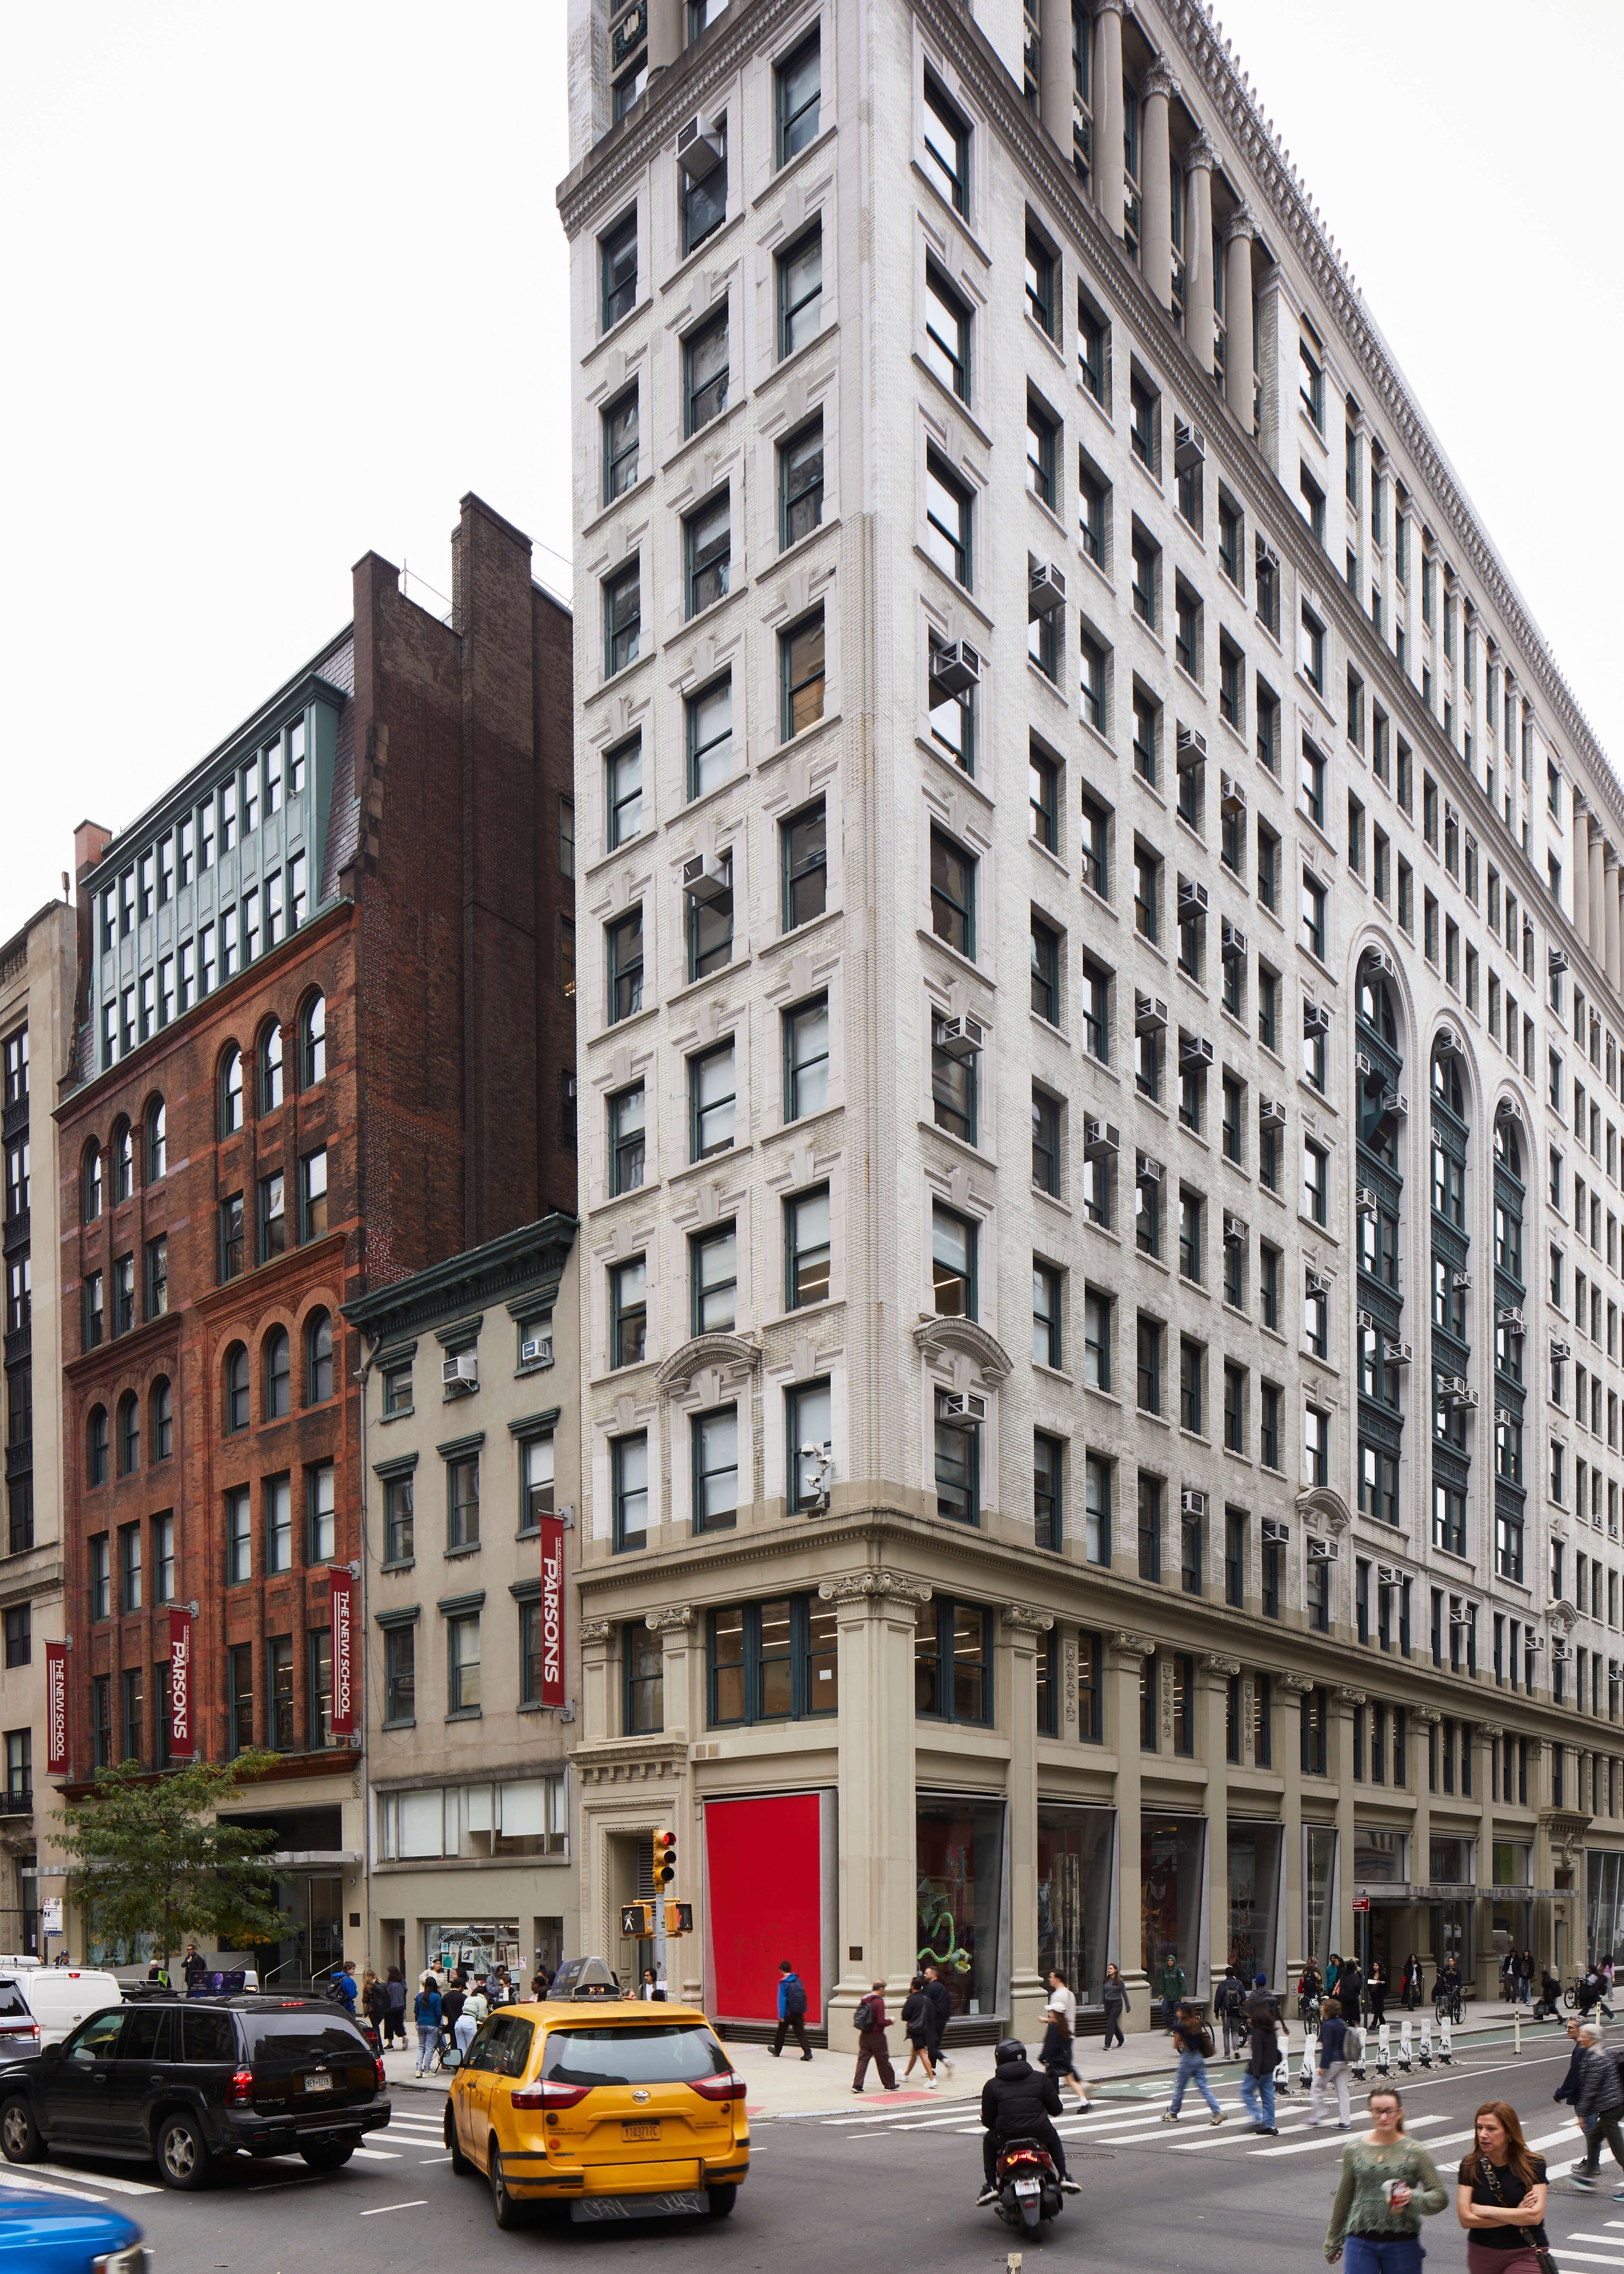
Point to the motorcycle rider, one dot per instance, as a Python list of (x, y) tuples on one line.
[(1018, 2102)]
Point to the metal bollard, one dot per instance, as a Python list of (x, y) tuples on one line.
[(1517, 2029), (1384, 2050), (1405, 2045), (1446, 2049), (1424, 2051)]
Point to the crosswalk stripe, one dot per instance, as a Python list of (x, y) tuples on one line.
[(379, 2155), (1589, 2257), (40, 2188), (1340, 2139), (16, 2178)]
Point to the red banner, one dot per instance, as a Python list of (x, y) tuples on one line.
[(342, 1602), (551, 1611), (180, 1684), (55, 1709)]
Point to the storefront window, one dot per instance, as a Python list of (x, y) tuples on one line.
[(1319, 1887), (1604, 1909), (960, 1883), (1451, 1862), (1254, 1899), (1076, 1849), (1171, 1849), (477, 1948), (1511, 1915)]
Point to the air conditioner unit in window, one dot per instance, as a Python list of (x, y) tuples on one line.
[(1101, 1140), (1147, 1169), (1322, 1551), (535, 1350), (1457, 1391), (1388, 1575), (1362, 1065), (1365, 1200), (700, 147), (1192, 1503), (1561, 1653), (1272, 1112), (1316, 1018), (1447, 1040), (1191, 899), (1558, 961), (1188, 446), (1232, 942), (1512, 1321), (1459, 1279), (1194, 1050), (1503, 1417), (1275, 1534), (459, 1373), (1149, 1014), (1190, 748), (709, 877), (1561, 1352), (1533, 1641), (1398, 1353), (1615, 1670), (1234, 1230), (960, 1038), (1459, 1613), (1385, 964), (1394, 1108), (1045, 587), (963, 1409), (1314, 1282), (1231, 796), (954, 670), (1365, 1321)]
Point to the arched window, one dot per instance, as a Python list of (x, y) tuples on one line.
[(1376, 1005), (314, 1042), (1447, 1083), (231, 1091), (1508, 1147), (129, 1434), (270, 1068), (91, 1204), (162, 1419), (318, 1358), (124, 1160), (277, 1371), (95, 1445), (236, 1387), (157, 1146)]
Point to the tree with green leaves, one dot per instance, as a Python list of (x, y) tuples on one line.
[(153, 1856)]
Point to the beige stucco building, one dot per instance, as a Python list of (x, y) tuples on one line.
[(38, 974), (471, 1452), (1101, 1015)]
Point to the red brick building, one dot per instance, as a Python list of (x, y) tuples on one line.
[(326, 1039)]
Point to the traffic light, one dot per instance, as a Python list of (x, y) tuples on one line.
[(665, 1858), (679, 1917), (637, 1921)]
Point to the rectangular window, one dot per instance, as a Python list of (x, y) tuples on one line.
[(947, 333), (627, 1138), (1046, 961), (808, 1227), (801, 666), (952, 893), (798, 90), (712, 1101), (714, 1280), (806, 1058), (1046, 1126), (1042, 456), (625, 953), (313, 1196), (948, 520), (399, 1530), (947, 147), (1145, 427), (800, 292), (800, 484), (1094, 333), (1047, 1305), (808, 1414), (620, 444), (623, 768), (462, 1664), (715, 1438), (278, 1524), (628, 1312), (1149, 1343), (622, 617), (618, 267), (708, 542), (803, 847), (705, 366), (629, 1472), (1150, 1493), (953, 1262), (952, 1662)]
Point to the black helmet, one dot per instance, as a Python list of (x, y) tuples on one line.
[(1009, 2049)]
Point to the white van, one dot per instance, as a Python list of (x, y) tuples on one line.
[(57, 1999)]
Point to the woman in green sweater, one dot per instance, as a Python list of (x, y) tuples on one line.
[(1388, 2187)]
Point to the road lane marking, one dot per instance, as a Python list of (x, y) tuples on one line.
[(433, 2160), (379, 2209), (1340, 2139), (91, 2179), (379, 2155), (40, 2186), (1589, 2257)]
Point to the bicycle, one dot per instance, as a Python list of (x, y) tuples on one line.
[(1447, 2004)]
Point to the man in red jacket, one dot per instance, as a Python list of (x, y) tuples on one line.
[(871, 2045)]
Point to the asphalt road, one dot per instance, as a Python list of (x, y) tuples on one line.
[(860, 2188)]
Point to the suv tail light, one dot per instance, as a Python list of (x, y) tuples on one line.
[(544, 2093), (239, 2091), (382, 2079), (728, 2087)]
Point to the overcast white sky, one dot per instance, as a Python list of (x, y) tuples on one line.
[(279, 286)]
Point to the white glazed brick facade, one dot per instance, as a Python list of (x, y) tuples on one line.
[(1473, 717)]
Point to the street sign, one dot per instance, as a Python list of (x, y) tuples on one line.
[(1361, 1903)]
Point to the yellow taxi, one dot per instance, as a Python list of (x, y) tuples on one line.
[(616, 2108)]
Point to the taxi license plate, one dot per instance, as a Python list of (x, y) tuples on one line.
[(640, 2132), (320, 2083)]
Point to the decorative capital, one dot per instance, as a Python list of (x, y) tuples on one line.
[(670, 1618), (594, 1632), (937, 1338), (1109, 7), (1294, 1685), (1215, 1663), (1129, 1646), (874, 1586), (1242, 222), (1159, 78), (1024, 1618), (1347, 1695), (1430, 1715), (1199, 154), (1492, 1730), (729, 1352)]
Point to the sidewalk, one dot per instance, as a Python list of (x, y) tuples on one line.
[(789, 2086)]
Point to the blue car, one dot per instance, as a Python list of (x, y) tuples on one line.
[(56, 2234)]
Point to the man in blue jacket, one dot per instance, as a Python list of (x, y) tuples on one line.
[(1331, 2070), (791, 2010)]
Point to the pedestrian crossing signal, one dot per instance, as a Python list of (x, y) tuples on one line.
[(637, 1921), (679, 1917), (665, 1858)]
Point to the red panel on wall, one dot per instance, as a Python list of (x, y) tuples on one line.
[(763, 1878)]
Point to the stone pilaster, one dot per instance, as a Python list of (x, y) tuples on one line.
[(1215, 1675), (1156, 88), (1107, 113), (1025, 1632), (1239, 374), (1198, 161), (1057, 88), (1127, 1653)]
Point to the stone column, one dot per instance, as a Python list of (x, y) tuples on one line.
[(875, 1611), (1598, 921), (1283, 1749), (1609, 914), (683, 1673), (664, 35), (1026, 1631), (1058, 84), (1108, 112), (598, 1720), (1217, 1672), (1199, 159), (681, 1657), (1345, 1703), (1127, 1656), (1156, 182), (1239, 376), (1581, 866), (1483, 1739), (1424, 1720)]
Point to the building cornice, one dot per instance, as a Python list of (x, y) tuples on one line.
[(536, 1252)]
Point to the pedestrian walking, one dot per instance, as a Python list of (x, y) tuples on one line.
[(453, 1999), (1059, 2053), (1525, 1975), (464, 2022), (792, 2011), (1388, 2186), (941, 2002), (1333, 1973), (1331, 2072), (1114, 1997), (394, 2007), (1229, 2005), (871, 2025), (1172, 1989), (1501, 2195), (1262, 2059), (476, 2008), (1193, 2041), (1376, 1992), (1410, 1987), (1598, 2097), (372, 2001), (1350, 1991), (916, 2023), (426, 2012)]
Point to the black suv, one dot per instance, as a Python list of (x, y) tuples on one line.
[(188, 2079)]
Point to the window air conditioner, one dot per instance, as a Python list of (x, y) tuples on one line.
[(1190, 748), (1365, 1200), (1561, 1653), (1232, 942), (1533, 1641), (1459, 1279), (1388, 1575), (1459, 1393), (1362, 1065), (1394, 1107), (707, 877), (1316, 1018), (1460, 1613), (1558, 961), (1503, 1417), (1147, 1170), (1386, 965), (1192, 1503), (1231, 794), (1314, 1282), (961, 1409), (1149, 1014), (1101, 1140), (1449, 1040), (1234, 1230), (960, 1038), (954, 670), (1322, 1551), (1194, 1050), (1365, 1321), (1512, 1321), (535, 1350), (700, 147), (1188, 447), (1045, 587), (459, 1373), (1272, 1112), (1397, 1353), (1191, 899), (1275, 1534), (1561, 1352)]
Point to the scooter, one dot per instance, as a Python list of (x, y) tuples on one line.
[(1029, 2187)]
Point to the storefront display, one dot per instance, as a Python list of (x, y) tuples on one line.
[(475, 1947), (1511, 1918), (1319, 1889), (1172, 1864), (769, 1889), (1254, 1899), (1453, 1861), (1604, 1923), (1076, 1853), (961, 1898)]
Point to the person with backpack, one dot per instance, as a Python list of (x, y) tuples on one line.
[(870, 2023), (1262, 2059), (1018, 2103), (939, 1997), (1173, 1987), (1229, 2000), (916, 2024), (792, 2011), (1193, 2041), (1599, 2107)]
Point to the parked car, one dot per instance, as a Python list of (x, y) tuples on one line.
[(188, 2080), (49, 2235), (57, 1999)]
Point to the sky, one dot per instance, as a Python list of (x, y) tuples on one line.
[(280, 285)]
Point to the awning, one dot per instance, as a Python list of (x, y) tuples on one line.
[(282, 1859), (1447, 1891)]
